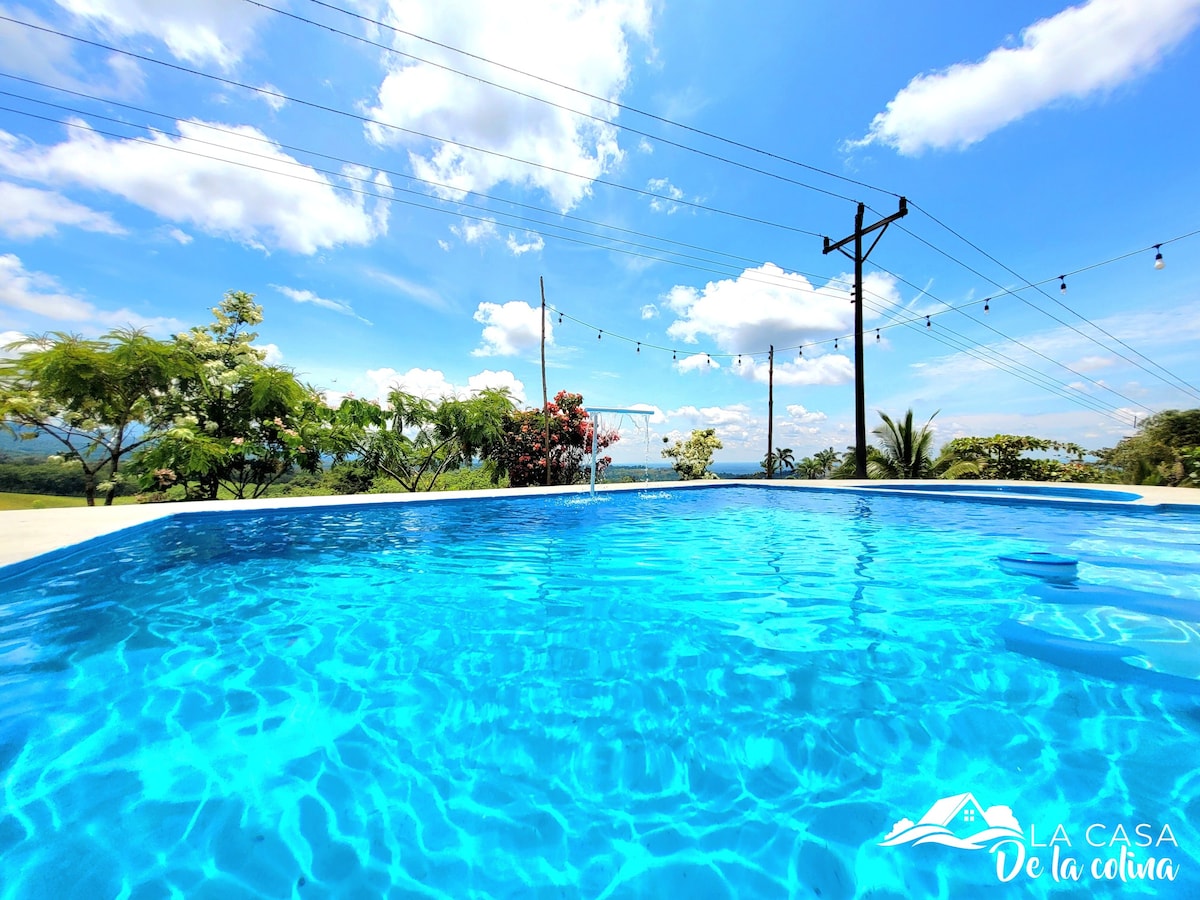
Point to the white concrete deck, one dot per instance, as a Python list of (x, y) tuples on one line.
[(25, 534)]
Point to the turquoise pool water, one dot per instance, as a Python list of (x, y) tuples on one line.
[(726, 692), (1020, 490)]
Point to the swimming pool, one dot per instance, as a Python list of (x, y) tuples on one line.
[(716, 692), (1020, 490)]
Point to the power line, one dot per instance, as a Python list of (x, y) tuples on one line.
[(548, 102), (1177, 382), (370, 121), (614, 103)]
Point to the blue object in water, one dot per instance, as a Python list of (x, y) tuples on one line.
[(1049, 566)]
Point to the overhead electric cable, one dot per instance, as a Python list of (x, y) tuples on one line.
[(615, 103), (1170, 378), (548, 102), (266, 92)]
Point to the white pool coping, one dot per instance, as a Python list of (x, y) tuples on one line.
[(26, 534)]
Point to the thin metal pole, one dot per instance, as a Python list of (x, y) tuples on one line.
[(545, 396), (770, 411)]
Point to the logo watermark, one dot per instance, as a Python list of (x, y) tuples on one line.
[(1100, 851)]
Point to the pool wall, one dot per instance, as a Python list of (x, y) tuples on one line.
[(32, 537)]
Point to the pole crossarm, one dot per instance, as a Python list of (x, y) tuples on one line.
[(860, 404)]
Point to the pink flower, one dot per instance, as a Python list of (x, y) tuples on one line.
[(237, 442)]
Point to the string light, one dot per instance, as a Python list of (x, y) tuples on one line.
[(673, 356), (1062, 284), (709, 358), (1158, 260), (800, 353), (876, 334), (739, 359), (985, 304), (560, 318), (835, 340), (639, 349), (928, 324), (600, 334)]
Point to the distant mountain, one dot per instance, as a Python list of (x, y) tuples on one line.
[(39, 446)]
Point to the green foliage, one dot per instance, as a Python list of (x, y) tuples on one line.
[(691, 458), (521, 454), (236, 423), (28, 474), (1162, 452), (906, 450), (778, 460), (100, 399), (1004, 456)]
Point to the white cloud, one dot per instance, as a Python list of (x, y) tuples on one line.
[(533, 243), (432, 384), (828, 368), (16, 341), (583, 43), (272, 98), (46, 57), (511, 328), (1082, 51), (649, 311), (668, 193), (767, 306), (216, 32), (182, 237), (803, 415), (32, 213), (42, 295), (697, 362), (251, 206), (274, 355), (445, 245), (489, 379), (302, 296), (473, 231), (423, 295)]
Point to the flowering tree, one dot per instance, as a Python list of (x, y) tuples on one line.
[(237, 422), (523, 452), (691, 458), (415, 441), (100, 399)]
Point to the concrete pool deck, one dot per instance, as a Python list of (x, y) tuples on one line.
[(26, 534)]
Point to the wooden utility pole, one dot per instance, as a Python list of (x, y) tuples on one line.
[(545, 396), (860, 404), (770, 411)]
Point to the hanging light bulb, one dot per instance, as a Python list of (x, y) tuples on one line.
[(600, 334), (1158, 260), (639, 349), (673, 356), (928, 324), (876, 334), (1062, 286), (560, 318), (800, 352), (709, 358), (985, 304), (835, 340), (739, 359)]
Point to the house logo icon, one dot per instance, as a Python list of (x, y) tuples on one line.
[(958, 821)]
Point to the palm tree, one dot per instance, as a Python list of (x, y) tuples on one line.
[(905, 452), (785, 457), (826, 459), (809, 468)]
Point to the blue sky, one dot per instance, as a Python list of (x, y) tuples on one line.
[(344, 195)]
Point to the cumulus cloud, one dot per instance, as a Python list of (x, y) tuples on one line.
[(274, 355), (511, 328), (767, 305), (32, 213), (43, 296), (803, 415), (215, 32), (828, 368), (302, 296), (533, 242), (180, 236), (432, 384), (584, 43), (697, 362), (1080, 52), (649, 311), (259, 209), (474, 231)]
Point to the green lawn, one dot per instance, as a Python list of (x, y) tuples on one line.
[(47, 501)]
